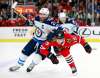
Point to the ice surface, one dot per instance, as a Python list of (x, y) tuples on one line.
[(88, 65)]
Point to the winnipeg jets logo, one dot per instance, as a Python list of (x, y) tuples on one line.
[(38, 33)]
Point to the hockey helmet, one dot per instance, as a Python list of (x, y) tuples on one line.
[(44, 11), (59, 34), (62, 16)]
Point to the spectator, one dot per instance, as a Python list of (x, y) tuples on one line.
[(73, 13), (98, 14)]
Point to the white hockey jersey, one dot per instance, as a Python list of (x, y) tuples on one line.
[(71, 28), (42, 29)]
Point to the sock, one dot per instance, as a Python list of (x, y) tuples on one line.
[(71, 63), (22, 59), (36, 59)]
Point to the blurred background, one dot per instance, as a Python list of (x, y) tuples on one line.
[(85, 12)]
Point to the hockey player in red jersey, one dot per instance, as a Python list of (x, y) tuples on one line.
[(63, 41)]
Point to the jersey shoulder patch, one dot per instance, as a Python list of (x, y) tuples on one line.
[(52, 23), (49, 19)]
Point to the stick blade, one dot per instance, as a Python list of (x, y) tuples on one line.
[(14, 5)]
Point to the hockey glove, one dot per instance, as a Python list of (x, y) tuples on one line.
[(53, 58), (87, 48)]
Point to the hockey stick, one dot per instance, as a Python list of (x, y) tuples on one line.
[(21, 15), (13, 7)]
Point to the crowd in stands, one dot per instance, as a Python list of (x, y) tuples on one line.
[(82, 11)]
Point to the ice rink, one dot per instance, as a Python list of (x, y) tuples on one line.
[(88, 65)]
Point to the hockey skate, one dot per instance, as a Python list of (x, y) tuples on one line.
[(19, 64), (31, 66), (14, 68), (74, 71)]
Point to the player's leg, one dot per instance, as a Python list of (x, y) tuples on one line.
[(71, 63), (36, 59), (69, 60), (41, 56), (27, 51)]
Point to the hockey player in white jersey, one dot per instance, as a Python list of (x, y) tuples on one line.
[(43, 25), (65, 26), (67, 23), (70, 25)]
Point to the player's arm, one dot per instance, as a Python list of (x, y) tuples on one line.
[(81, 39), (44, 50), (78, 39), (85, 44)]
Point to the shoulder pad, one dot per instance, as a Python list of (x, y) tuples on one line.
[(55, 24), (37, 18), (49, 19), (52, 23)]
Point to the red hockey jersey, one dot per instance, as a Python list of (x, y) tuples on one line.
[(63, 46)]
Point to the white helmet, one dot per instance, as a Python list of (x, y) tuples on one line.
[(44, 11), (62, 16)]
